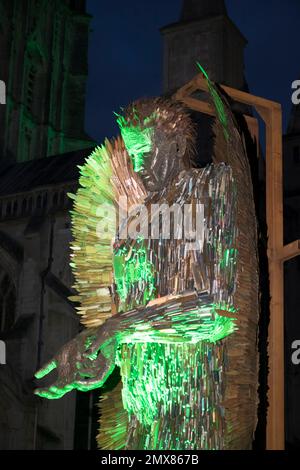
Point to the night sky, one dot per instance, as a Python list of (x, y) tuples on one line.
[(125, 52)]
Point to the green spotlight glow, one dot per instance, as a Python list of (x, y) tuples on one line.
[(134, 272), (137, 137), (217, 100)]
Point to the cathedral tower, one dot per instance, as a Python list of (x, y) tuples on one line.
[(43, 62), (206, 34)]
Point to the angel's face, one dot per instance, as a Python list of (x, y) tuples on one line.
[(155, 155)]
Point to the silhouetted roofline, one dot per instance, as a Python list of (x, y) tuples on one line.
[(26, 176)]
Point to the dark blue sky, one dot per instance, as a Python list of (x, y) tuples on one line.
[(125, 53)]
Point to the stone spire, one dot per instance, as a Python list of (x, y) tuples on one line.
[(205, 34), (199, 9)]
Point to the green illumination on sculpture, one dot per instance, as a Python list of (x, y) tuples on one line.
[(46, 370), (219, 106), (179, 324), (152, 388), (178, 316), (134, 271), (137, 137)]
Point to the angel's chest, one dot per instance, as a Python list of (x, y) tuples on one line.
[(147, 269)]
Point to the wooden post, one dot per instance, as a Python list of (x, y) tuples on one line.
[(270, 112), (274, 200)]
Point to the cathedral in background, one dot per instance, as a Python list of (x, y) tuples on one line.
[(43, 61)]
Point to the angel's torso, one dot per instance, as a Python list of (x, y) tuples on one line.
[(168, 387), (172, 262)]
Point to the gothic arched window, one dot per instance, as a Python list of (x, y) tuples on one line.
[(31, 82), (7, 302), (28, 144)]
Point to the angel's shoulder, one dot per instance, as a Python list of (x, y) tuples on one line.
[(212, 174)]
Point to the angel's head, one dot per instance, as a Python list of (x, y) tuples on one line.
[(159, 137)]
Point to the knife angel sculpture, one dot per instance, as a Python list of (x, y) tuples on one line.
[(166, 270)]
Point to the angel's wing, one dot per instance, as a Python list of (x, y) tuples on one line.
[(105, 177), (241, 389)]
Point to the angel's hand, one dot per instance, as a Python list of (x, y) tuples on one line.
[(83, 364)]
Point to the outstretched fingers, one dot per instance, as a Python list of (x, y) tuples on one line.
[(91, 384), (46, 369), (54, 392), (47, 393)]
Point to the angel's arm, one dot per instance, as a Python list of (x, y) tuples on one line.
[(104, 178)]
